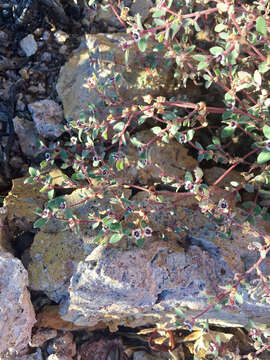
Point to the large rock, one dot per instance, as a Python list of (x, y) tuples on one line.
[(108, 59), (17, 315), (27, 134), (55, 253), (164, 274)]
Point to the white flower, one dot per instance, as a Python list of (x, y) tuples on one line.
[(137, 233), (45, 213), (267, 145), (136, 35), (182, 138), (189, 186), (223, 205), (147, 231), (71, 223)]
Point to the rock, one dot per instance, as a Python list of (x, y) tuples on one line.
[(172, 159), (213, 174), (33, 356), (47, 116), (63, 346), (56, 253), (29, 45), (134, 82), (100, 349), (21, 202), (60, 36), (28, 137), (17, 315), (176, 273), (141, 7), (143, 355), (53, 260), (5, 237), (49, 317), (41, 336), (23, 199), (58, 357)]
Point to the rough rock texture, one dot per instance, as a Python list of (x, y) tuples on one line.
[(5, 237), (63, 346), (55, 253), (21, 201), (41, 336), (34, 356), (171, 159), (47, 115), (17, 315), (106, 49), (213, 174), (141, 7), (96, 350), (49, 317), (27, 134)]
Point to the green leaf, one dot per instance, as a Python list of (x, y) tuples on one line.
[(156, 130), (120, 164), (115, 227), (202, 65), (142, 44), (28, 181), (190, 134), (139, 21), (119, 126), (266, 131), (199, 57), (263, 67), (33, 172), (216, 50), (179, 312), (91, 2), (261, 25), (227, 131), (115, 238), (51, 194), (263, 157), (140, 242), (40, 222), (220, 27), (175, 28), (158, 13)]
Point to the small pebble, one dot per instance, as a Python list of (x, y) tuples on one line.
[(46, 56), (60, 36), (46, 36), (29, 45), (63, 49)]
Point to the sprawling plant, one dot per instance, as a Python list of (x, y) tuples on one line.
[(218, 54)]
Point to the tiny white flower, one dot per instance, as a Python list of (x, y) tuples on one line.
[(136, 35), (147, 231), (267, 145), (223, 205), (45, 213), (71, 223), (137, 233), (182, 138), (189, 186), (73, 140)]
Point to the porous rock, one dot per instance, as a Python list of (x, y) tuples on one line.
[(17, 315), (47, 116), (27, 134), (55, 253), (170, 159), (63, 346)]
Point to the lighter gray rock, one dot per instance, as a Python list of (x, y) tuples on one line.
[(141, 7), (17, 315), (27, 134), (29, 45), (47, 116)]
